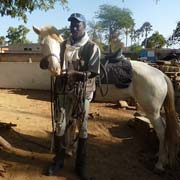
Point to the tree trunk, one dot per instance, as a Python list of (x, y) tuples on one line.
[(6, 146)]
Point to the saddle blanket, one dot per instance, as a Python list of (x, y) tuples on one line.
[(119, 73)]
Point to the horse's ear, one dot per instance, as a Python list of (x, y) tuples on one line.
[(36, 30), (61, 38), (60, 32)]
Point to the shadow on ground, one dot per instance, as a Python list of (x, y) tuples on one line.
[(33, 94), (129, 154)]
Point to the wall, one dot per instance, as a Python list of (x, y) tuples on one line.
[(27, 75), (23, 75), (20, 48), (20, 57)]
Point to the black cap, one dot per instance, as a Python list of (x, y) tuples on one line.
[(78, 17)]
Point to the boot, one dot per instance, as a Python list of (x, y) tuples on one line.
[(81, 159), (58, 160)]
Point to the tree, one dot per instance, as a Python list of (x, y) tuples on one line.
[(95, 33), (129, 30), (113, 20), (19, 8), (65, 32), (175, 37), (176, 32), (155, 41), (146, 29), (17, 35), (2, 40), (136, 36), (135, 48), (131, 35)]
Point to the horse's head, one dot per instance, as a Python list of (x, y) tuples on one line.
[(50, 40)]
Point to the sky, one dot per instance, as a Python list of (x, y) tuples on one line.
[(163, 15)]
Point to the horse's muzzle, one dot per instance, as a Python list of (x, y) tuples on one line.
[(44, 63)]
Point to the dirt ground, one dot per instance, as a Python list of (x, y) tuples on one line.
[(118, 147)]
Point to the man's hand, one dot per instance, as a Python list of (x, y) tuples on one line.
[(77, 75)]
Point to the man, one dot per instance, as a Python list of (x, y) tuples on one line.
[(80, 62)]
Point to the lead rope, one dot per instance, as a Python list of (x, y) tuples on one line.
[(79, 108), (104, 72), (52, 113), (82, 95)]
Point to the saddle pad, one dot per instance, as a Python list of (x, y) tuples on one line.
[(120, 73)]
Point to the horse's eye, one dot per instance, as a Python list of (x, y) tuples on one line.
[(41, 43)]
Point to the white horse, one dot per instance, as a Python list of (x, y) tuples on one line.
[(50, 40), (150, 87)]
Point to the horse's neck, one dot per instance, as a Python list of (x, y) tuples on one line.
[(63, 48)]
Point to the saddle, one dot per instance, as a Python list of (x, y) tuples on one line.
[(115, 57), (118, 69)]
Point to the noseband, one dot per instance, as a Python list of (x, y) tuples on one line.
[(44, 63)]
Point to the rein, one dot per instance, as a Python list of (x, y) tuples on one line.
[(78, 113), (52, 90), (103, 75), (52, 112), (79, 106)]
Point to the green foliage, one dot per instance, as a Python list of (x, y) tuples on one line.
[(114, 17), (145, 29), (19, 8), (177, 30), (175, 37), (95, 34), (17, 35), (2, 40), (155, 41), (135, 36), (65, 32), (95, 31), (135, 48), (113, 20)]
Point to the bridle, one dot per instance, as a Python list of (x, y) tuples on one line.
[(51, 55), (54, 103), (45, 58), (52, 92)]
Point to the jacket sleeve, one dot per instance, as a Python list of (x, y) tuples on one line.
[(94, 60)]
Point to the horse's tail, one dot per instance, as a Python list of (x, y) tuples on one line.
[(172, 127)]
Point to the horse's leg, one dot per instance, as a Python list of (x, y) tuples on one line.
[(159, 126), (71, 127), (70, 137)]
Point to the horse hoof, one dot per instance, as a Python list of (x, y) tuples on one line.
[(158, 171), (69, 154)]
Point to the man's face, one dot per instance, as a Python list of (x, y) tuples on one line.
[(77, 29)]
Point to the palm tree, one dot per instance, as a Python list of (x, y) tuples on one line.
[(95, 31), (146, 29), (129, 30)]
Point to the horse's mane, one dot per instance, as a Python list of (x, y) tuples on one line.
[(51, 30)]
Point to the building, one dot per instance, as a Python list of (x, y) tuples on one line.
[(24, 48)]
